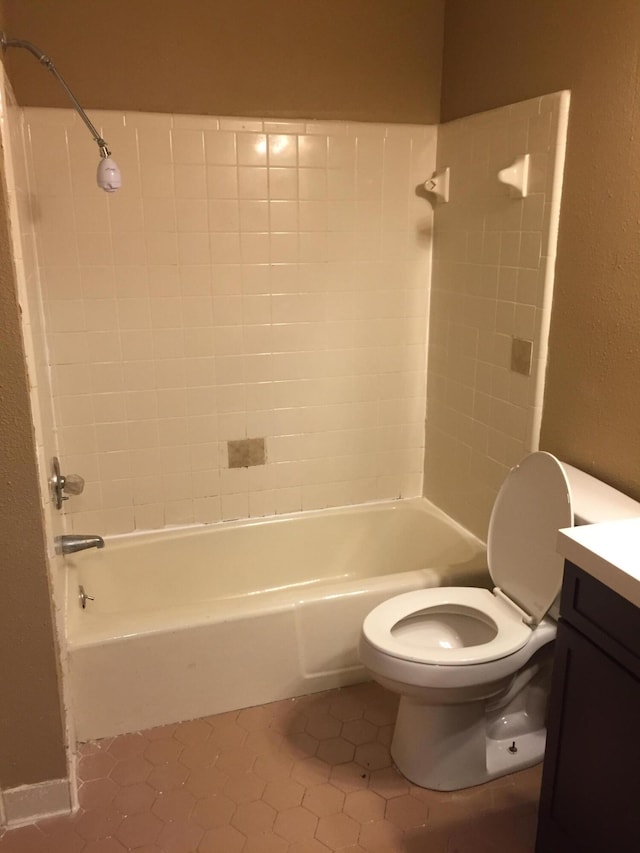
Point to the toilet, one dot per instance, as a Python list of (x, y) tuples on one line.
[(472, 666)]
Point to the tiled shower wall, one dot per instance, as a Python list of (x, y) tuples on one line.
[(251, 279), (492, 281)]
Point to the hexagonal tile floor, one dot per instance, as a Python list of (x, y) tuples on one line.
[(306, 775)]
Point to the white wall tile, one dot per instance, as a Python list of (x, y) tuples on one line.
[(214, 298), (490, 280)]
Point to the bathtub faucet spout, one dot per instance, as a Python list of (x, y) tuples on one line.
[(71, 544)]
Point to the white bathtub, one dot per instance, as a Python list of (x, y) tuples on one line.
[(189, 623)]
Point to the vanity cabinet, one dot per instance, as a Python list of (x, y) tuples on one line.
[(590, 799)]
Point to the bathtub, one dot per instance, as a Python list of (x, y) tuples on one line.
[(194, 622)]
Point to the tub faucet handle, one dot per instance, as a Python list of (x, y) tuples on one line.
[(61, 483), (74, 484)]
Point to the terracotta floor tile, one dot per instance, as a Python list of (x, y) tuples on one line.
[(429, 838), (264, 741), (148, 848), (163, 750), (206, 780), (380, 834), (346, 706), (255, 718), (373, 756), (228, 736), (382, 709), (349, 777), (276, 765), (406, 812), (266, 842), (323, 800), (295, 824), (128, 746), (180, 837), (385, 734), (105, 845), (131, 770), (26, 839), (199, 754), (97, 823), (335, 750), (95, 766), (61, 834), (244, 787), (193, 732), (289, 720), (308, 845), (165, 777), (97, 793), (310, 775), (161, 732), (134, 799), (213, 811), (283, 794), (177, 804), (236, 759), (254, 818), (222, 839), (337, 831), (359, 731), (388, 783), (310, 771), (138, 829), (301, 745), (321, 725), (364, 806)]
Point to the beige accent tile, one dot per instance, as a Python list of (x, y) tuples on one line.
[(521, 356), (244, 453)]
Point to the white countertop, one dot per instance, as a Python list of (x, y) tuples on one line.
[(609, 551)]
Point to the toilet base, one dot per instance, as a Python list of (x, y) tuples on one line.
[(446, 747)]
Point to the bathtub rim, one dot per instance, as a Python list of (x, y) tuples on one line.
[(183, 530), (145, 624)]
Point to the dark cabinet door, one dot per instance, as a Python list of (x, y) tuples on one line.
[(590, 801)]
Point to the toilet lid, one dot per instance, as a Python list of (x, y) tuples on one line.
[(532, 505)]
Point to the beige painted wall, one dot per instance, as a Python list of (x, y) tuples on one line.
[(501, 51), (371, 60), (31, 737)]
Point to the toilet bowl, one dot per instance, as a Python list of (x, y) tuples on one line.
[(472, 666)]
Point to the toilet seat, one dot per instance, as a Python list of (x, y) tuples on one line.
[(532, 505), (511, 633)]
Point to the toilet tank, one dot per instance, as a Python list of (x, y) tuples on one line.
[(593, 501)]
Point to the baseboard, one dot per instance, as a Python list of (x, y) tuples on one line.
[(31, 802)]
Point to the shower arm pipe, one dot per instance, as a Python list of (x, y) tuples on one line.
[(43, 59)]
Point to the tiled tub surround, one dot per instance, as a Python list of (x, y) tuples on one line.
[(251, 279), (258, 610), (492, 281)]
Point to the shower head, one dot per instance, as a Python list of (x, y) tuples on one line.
[(108, 176)]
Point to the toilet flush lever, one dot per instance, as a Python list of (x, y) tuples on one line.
[(61, 483)]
